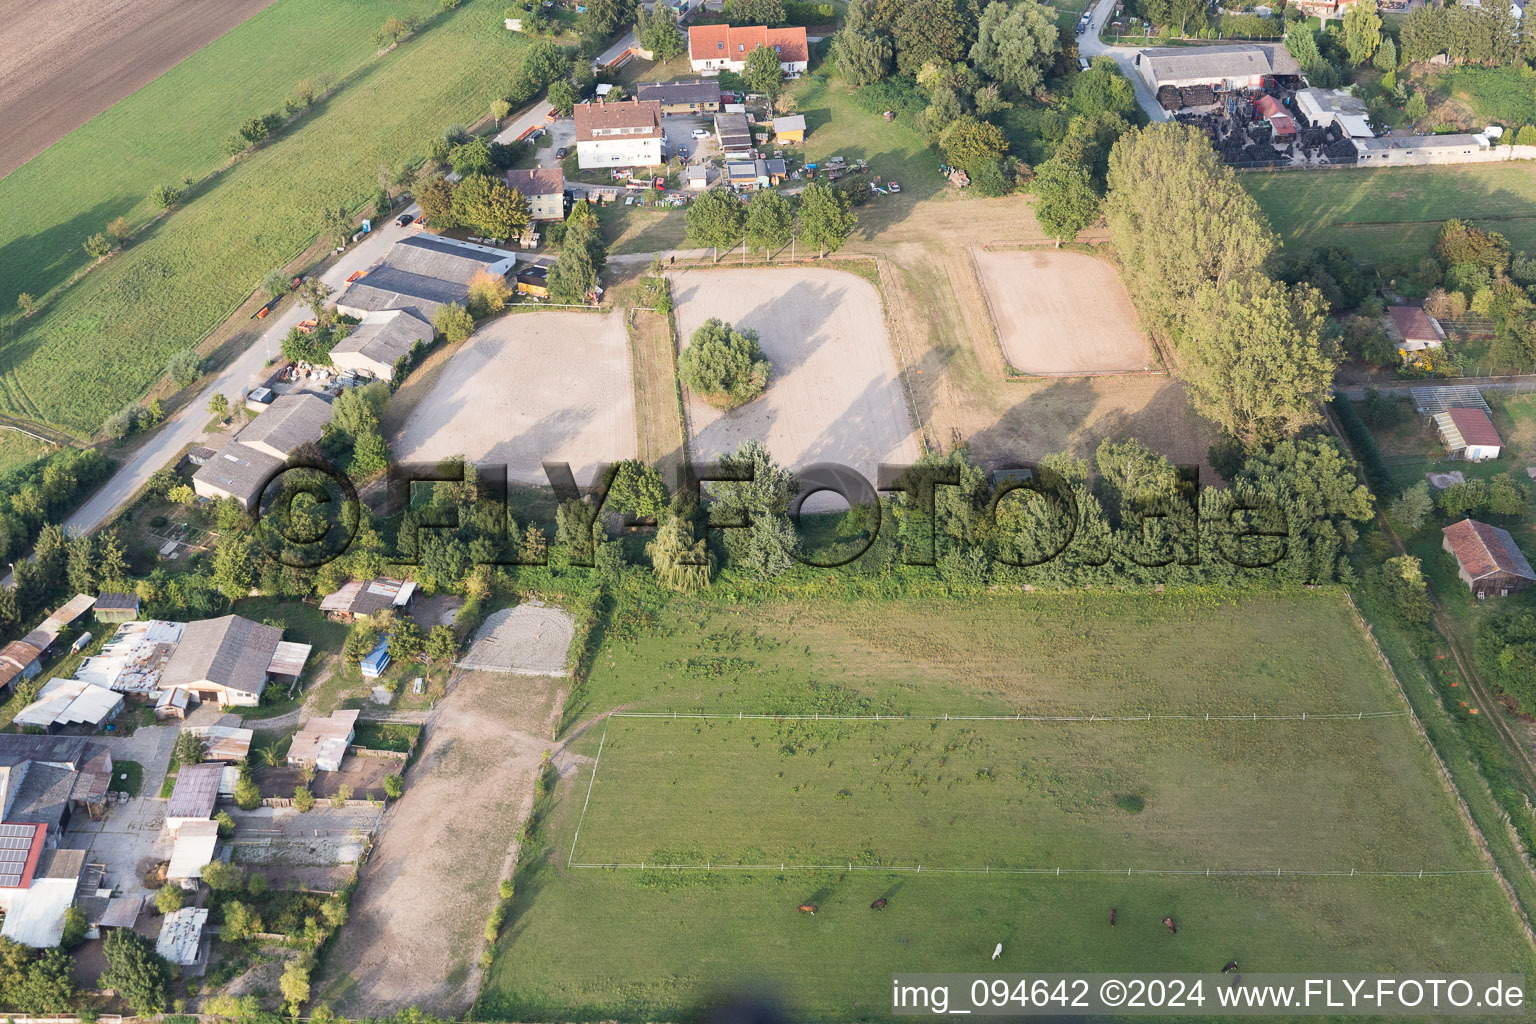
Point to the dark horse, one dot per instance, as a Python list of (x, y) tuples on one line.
[(879, 904)]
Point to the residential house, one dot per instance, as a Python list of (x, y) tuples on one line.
[(376, 346), (245, 466), (696, 97), (1468, 434), (365, 597), (1413, 329), (716, 48), (626, 134), (544, 188), (422, 273), (789, 128), (1487, 559), (323, 742), (1230, 67)]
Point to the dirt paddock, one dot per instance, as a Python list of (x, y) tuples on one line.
[(415, 931), (530, 388), (835, 394), (1062, 313), (64, 61)]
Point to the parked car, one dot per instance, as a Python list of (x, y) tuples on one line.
[(701, 133), (551, 113), (404, 219), (1082, 63), (561, 152)]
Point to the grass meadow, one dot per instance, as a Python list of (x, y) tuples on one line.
[(1395, 212), (970, 800), (105, 341)]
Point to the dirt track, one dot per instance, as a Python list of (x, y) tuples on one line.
[(64, 61), (1060, 312), (414, 934)]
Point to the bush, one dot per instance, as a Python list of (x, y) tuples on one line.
[(303, 799), (166, 195), (184, 367), (97, 246), (723, 366), (394, 786)]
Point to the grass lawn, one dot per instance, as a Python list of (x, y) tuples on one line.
[(90, 352), (134, 780), (172, 129), (590, 943), (396, 736), (1395, 212), (18, 449)]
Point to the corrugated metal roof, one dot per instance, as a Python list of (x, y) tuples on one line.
[(36, 917), (196, 791), (230, 651), (122, 911), (65, 702), (288, 659), (196, 844)]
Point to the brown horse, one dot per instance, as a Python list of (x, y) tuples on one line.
[(1231, 966), (806, 908), (879, 904), (1168, 923), (1111, 917)]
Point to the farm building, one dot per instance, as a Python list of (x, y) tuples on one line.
[(544, 188), (733, 134), (196, 844), (696, 178), (225, 740), (422, 273), (323, 742), (1413, 329), (626, 134), (194, 795), (19, 658), (749, 175), (1468, 434), (35, 913), (716, 48), (117, 607), (790, 128), (1324, 107), (1269, 109), (243, 468), (1422, 149), (172, 704), (1487, 559), (65, 703), (364, 597), (700, 96), (376, 346), (44, 780), (1229, 67), (228, 659), (181, 936), (132, 661)]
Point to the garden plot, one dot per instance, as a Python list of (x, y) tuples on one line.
[(1062, 313), (835, 394), (531, 388)]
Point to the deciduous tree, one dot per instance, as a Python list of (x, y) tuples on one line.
[(1015, 44)]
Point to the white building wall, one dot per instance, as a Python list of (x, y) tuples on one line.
[(618, 152)]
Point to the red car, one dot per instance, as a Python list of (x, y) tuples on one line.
[(661, 184), (553, 113)]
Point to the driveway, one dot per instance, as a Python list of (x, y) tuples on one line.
[(1090, 45), (186, 427)]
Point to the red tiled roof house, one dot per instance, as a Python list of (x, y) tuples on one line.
[(716, 48), (1487, 559), (1413, 329)]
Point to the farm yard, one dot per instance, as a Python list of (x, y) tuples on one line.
[(834, 394), (65, 62), (488, 405), (1061, 313), (203, 261), (1394, 213), (976, 798)]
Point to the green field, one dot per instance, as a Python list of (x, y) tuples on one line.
[(172, 129), (106, 340), (1394, 213), (977, 803)]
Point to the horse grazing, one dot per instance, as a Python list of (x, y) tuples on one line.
[(1111, 917), (1231, 966), (806, 908), (1168, 923), (879, 904)]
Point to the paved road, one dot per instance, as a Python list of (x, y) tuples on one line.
[(187, 426), (1090, 45)]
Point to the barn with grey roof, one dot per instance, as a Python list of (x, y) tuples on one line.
[(376, 346), (421, 274)]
